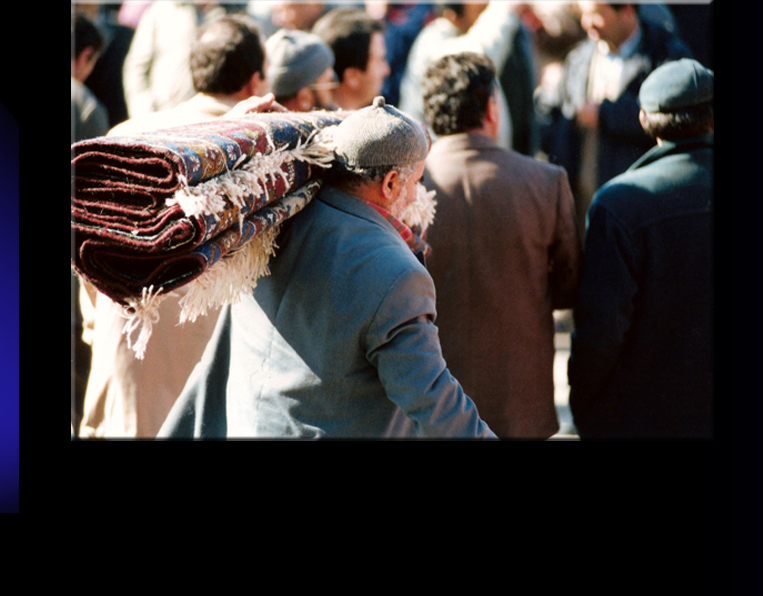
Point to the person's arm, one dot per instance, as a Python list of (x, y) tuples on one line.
[(565, 252), (255, 104), (403, 344), (137, 68), (492, 34), (603, 313)]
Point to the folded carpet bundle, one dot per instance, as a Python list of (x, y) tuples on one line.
[(197, 206)]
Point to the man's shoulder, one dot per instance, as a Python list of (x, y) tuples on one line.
[(472, 154), (513, 166), (351, 245), (356, 230), (662, 44), (647, 195), (533, 165)]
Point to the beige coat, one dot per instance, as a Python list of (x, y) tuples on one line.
[(127, 397), (505, 254)]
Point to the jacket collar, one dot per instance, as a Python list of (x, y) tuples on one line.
[(461, 141), (349, 204), (359, 208), (672, 147)]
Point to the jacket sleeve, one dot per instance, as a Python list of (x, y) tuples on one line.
[(565, 253), (603, 313), (402, 342), (492, 34)]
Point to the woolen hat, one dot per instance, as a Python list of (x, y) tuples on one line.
[(380, 135), (295, 60), (678, 84)]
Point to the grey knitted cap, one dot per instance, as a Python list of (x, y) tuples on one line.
[(380, 135), (295, 60)]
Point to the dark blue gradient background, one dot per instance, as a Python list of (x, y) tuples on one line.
[(9, 310)]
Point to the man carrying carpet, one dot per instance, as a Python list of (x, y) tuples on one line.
[(339, 340)]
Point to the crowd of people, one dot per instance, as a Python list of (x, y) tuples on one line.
[(570, 149)]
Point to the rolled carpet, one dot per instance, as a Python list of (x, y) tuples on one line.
[(157, 211)]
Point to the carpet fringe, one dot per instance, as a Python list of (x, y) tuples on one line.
[(142, 314), (230, 279), (209, 197)]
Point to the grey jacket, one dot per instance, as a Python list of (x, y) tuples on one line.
[(339, 341)]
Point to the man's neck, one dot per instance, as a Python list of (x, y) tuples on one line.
[(347, 101), (626, 43)]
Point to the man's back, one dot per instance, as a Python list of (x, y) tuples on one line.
[(642, 352), (505, 253), (335, 342)]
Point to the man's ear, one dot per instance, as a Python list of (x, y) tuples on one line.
[(352, 77), (388, 184), (82, 63), (493, 109), (257, 85)]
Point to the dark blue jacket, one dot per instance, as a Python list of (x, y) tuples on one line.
[(641, 362), (622, 140)]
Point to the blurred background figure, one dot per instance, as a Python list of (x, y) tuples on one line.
[(89, 116), (156, 74), (299, 16), (300, 71), (505, 251), (127, 397), (589, 117), (131, 12), (89, 119), (695, 25), (403, 23), (484, 27), (227, 66), (518, 80), (105, 80), (360, 55)]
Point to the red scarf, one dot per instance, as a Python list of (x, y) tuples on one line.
[(413, 239)]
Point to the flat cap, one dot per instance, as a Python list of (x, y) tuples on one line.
[(380, 135), (678, 84), (295, 60)]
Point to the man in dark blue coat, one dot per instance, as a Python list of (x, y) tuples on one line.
[(641, 361), (589, 120)]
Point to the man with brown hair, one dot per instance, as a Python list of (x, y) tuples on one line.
[(360, 54), (505, 251)]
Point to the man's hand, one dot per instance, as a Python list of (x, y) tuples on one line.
[(254, 104), (588, 116)]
